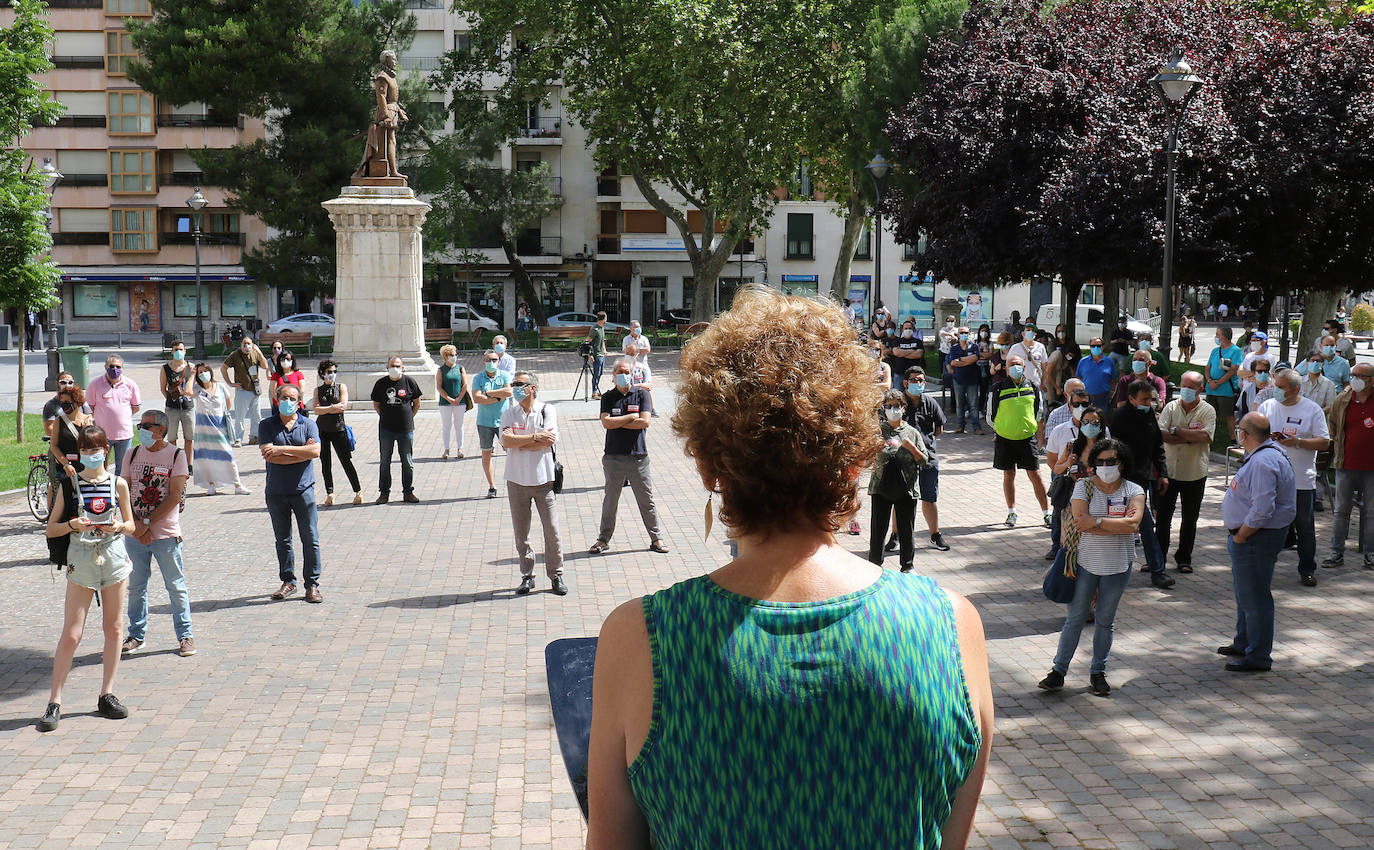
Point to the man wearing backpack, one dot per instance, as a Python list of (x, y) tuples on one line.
[(156, 471)]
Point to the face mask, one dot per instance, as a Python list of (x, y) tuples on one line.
[(178, 355), (1138, 366), (394, 372), (1078, 411), (499, 348), (633, 332), (908, 333), (1016, 372), (1096, 350), (1092, 430), (286, 406), (1028, 335), (1328, 350), (963, 337), (113, 373), (1143, 345), (949, 324), (1004, 348), (519, 393), (490, 367), (1188, 394), (1109, 474), (875, 353), (204, 377), (1219, 343), (893, 414), (1314, 369), (276, 351), (146, 437), (1143, 407), (915, 389), (1256, 346), (94, 461), (1357, 384), (287, 363), (1261, 377), (984, 334), (622, 381), (247, 349), (449, 361), (329, 377)]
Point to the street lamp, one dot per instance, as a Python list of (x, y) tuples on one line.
[(51, 176), (197, 203), (877, 168), (1177, 84)]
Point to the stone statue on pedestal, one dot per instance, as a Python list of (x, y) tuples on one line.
[(379, 161)]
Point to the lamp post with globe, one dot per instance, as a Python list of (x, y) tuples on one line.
[(1177, 84)]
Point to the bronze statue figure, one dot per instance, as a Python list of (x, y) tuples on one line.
[(380, 158)]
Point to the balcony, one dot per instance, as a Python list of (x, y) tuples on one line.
[(65, 63), (74, 4), (83, 180), (80, 121), (205, 239), (81, 239), (608, 187), (539, 246), (180, 178), (425, 4), (547, 127), (420, 63), (208, 120)]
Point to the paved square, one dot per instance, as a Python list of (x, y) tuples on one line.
[(410, 710)]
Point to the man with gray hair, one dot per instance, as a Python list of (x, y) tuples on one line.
[(529, 430), (1186, 426), (625, 415), (1299, 427), (114, 399)]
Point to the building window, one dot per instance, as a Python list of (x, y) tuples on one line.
[(132, 172), (129, 113), (119, 49), (133, 229), (799, 235), (908, 252), (95, 300), (863, 249), (462, 42), (128, 8)]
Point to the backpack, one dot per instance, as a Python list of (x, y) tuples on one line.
[(128, 461), (58, 546)]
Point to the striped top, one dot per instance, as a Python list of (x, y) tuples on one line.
[(1107, 554), (841, 723)]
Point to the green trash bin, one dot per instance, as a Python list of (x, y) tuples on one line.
[(75, 360)]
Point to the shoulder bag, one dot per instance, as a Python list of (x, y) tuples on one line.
[(1061, 579), (557, 467), (58, 546)]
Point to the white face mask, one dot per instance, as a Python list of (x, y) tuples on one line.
[(1357, 384), (1109, 474), (394, 372), (894, 414), (204, 377), (449, 361), (1078, 411)]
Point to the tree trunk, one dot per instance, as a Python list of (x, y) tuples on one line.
[(1069, 293), (1320, 306), (1111, 309), (856, 216), (706, 271), (19, 399), (524, 284)]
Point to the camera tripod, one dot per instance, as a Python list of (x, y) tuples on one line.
[(585, 376)]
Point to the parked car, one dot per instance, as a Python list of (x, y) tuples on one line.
[(1089, 322), (459, 316), (317, 324), (584, 320), (675, 316)]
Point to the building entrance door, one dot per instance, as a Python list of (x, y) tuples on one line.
[(613, 299), (651, 301)]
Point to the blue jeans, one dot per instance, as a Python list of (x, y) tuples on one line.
[(1108, 590), (1252, 575), (1056, 524), (966, 402), (168, 554), (403, 443), (598, 366), (281, 507), (1306, 530), (120, 449)]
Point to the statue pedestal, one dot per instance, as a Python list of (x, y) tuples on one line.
[(377, 307)]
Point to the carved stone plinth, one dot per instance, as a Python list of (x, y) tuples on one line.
[(377, 307)]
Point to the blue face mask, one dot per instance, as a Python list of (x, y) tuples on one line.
[(1016, 372), (1138, 366), (1314, 368), (1096, 350), (499, 348), (146, 438), (178, 354), (1142, 407), (286, 406), (1092, 430), (1261, 377), (518, 393), (1188, 394), (622, 381), (915, 389), (94, 461), (1328, 350)]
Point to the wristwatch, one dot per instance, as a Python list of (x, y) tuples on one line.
[(1098, 519)]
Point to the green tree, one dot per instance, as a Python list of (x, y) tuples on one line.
[(28, 275), (705, 97), (305, 67)]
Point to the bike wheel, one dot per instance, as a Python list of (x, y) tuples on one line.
[(37, 492)]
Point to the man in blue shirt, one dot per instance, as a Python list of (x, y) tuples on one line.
[(491, 391), (962, 366), (1334, 367), (1098, 374), (1257, 509), (289, 443), (1222, 386)]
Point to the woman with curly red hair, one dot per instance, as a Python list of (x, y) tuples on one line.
[(799, 695)]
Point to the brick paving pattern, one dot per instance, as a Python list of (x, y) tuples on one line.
[(410, 709)]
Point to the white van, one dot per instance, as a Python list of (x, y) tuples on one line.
[(457, 315), (1088, 322)]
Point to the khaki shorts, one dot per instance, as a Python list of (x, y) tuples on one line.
[(113, 568)]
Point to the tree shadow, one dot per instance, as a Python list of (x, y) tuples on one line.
[(447, 600)]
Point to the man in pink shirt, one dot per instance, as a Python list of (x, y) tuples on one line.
[(114, 399)]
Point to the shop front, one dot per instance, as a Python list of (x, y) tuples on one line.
[(156, 303)]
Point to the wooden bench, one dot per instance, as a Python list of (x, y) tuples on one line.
[(562, 333), (443, 336), (287, 340)]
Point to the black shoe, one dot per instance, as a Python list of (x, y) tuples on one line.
[(1369, 563), (50, 717), (1053, 682), (1161, 581), (1319, 507), (1309, 580), (491, 492), (1334, 561), (938, 541), (1186, 569), (1098, 682), (1245, 667), (906, 568), (891, 545), (526, 585), (110, 706), (382, 499), (1230, 649), (560, 588), (1049, 556)]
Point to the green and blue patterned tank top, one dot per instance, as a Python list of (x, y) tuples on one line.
[(841, 723)]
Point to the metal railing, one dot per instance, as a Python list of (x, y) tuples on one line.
[(81, 239), (205, 239), (80, 121), (180, 178), (538, 246), (74, 4), (546, 127), (68, 62), (84, 180), (208, 120), (425, 4), (420, 63)]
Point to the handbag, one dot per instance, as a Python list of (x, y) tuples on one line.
[(352, 440), (1061, 579), (1061, 491), (58, 547), (557, 467)]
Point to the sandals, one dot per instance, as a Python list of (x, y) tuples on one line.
[(287, 588), (1185, 568), (599, 546), (658, 546), (445, 454)]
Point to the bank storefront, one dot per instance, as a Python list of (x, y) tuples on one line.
[(156, 302)]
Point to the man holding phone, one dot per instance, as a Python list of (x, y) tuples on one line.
[(1222, 366)]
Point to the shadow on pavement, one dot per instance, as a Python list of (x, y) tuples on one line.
[(446, 600)]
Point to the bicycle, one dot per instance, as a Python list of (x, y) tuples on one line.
[(39, 488)]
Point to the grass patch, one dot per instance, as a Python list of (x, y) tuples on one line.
[(14, 457)]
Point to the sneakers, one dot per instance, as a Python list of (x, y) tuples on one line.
[(410, 499), (110, 707), (358, 498), (855, 528), (937, 540), (313, 594), (51, 716), (132, 645), (1161, 581), (1098, 682), (560, 588), (1011, 519), (1334, 561), (187, 647), (240, 490), (979, 432), (598, 547), (1309, 580), (526, 585), (891, 545), (329, 500), (1049, 518), (210, 491), (1050, 555), (1053, 682), (236, 444), (491, 492)]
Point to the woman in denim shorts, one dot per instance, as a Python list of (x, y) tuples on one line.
[(96, 563)]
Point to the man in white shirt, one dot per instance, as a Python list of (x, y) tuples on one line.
[(1258, 351), (529, 430), (1032, 352), (1316, 386), (636, 345), (507, 362), (1298, 425)]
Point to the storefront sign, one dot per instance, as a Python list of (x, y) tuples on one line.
[(800, 284)]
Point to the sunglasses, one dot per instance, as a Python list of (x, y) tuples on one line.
[(66, 383), (519, 384), (330, 374), (1105, 461)]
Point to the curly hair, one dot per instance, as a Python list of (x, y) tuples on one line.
[(775, 404)]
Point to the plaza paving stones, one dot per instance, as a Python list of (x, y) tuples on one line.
[(410, 710)]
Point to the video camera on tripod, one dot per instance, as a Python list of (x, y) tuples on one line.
[(584, 349)]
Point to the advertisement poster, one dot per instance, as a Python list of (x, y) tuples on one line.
[(858, 299), (916, 300), (239, 300), (801, 284), (95, 301), (145, 307), (976, 307)]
